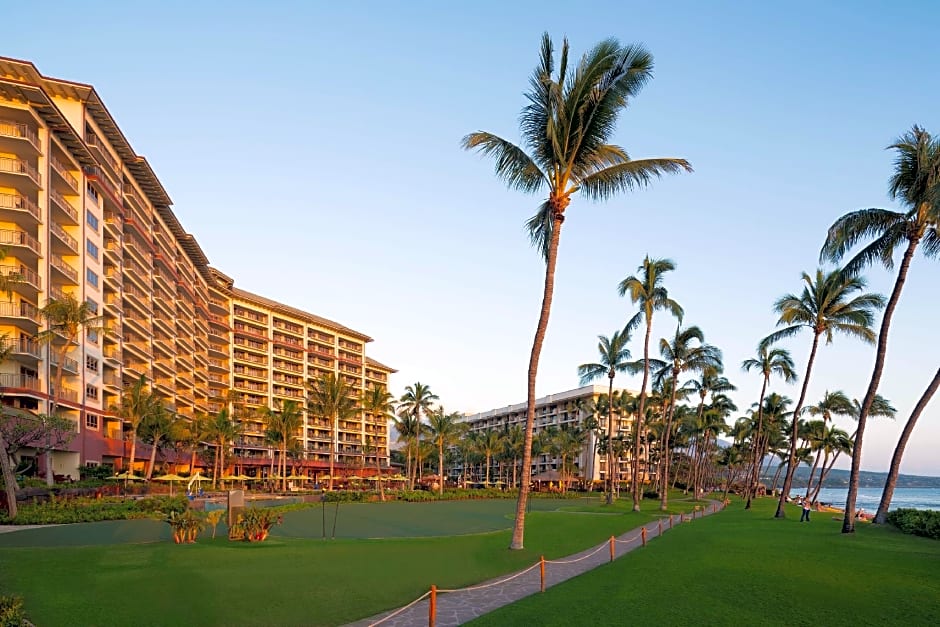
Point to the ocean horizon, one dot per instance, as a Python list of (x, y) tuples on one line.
[(869, 498)]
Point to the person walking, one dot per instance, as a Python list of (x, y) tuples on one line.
[(806, 510)]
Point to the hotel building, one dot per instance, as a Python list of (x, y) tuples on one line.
[(570, 409), (81, 213)]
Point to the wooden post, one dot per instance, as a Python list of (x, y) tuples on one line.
[(682, 517), (432, 606), (670, 521), (660, 527), (643, 535), (612, 540), (542, 571)]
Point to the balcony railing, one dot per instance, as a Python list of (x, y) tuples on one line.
[(21, 274), (99, 175), (19, 381), (17, 202), (59, 167), (19, 166), (93, 140), (68, 364), (19, 310), (20, 238), (112, 352), (111, 378), (63, 204), (25, 347), (19, 130), (62, 266), (66, 394), (250, 315), (69, 241)]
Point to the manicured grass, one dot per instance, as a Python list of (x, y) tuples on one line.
[(745, 568), (290, 580)]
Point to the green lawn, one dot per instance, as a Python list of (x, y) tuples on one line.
[(294, 578), (745, 568)]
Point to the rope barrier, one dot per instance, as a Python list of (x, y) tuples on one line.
[(584, 557), (400, 610), (628, 540), (494, 583)]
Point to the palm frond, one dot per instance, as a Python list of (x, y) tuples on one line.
[(603, 184), (539, 228), (513, 165)]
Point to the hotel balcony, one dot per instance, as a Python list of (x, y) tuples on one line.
[(287, 366), (24, 280), (65, 270), (137, 347), (110, 189), (289, 354), (113, 225), (69, 365), (218, 365), (241, 312), (165, 385), (63, 180), (113, 277), (136, 369), (163, 364), (133, 246), (66, 394), (18, 173), (113, 250), (21, 314), (111, 379), (26, 351), (64, 209), (289, 327), (137, 323), (18, 137), (112, 353), (19, 209), (20, 244), (63, 243), (101, 152), (20, 384)]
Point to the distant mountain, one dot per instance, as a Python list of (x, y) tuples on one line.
[(840, 479)]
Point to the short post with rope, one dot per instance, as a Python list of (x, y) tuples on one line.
[(432, 606), (542, 571), (612, 540), (660, 527), (681, 517), (670, 521), (643, 535)]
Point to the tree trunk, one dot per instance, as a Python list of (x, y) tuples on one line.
[(153, 456), (827, 466), (408, 464), (284, 464), (641, 415), (773, 488), (812, 472), (378, 475), (53, 408), (487, 477), (664, 493), (882, 514), (795, 435), (610, 437), (758, 458), (848, 522), (9, 480), (130, 461), (440, 467), (518, 531), (333, 422)]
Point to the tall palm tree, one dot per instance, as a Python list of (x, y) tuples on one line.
[(711, 382), (646, 290), (290, 418), (832, 442), (195, 432), (66, 318), (614, 357), (887, 494), (223, 430), (827, 305), (155, 429), (489, 444), (685, 352), (332, 398), (916, 184), (567, 444), (514, 438), (443, 428), (379, 402), (769, 361), (137, 402), (409, 430), (566, 127), (417, 402)]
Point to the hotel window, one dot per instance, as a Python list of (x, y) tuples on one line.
[(91, 363), (91, 421), (92, 220), (92, 192), (92, 306), (92, 336), (91, 277), (91, 392), (92, 249)]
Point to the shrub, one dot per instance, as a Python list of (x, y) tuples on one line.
[(254, 524), (186, 525), (58, 510), (11, 612), (918, 522), (99, 473)]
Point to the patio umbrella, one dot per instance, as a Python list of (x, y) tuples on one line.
[(398, 477), (127, 475), (354, 478), (171, 479)]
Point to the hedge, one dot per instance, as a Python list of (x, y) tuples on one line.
[(919, 522)]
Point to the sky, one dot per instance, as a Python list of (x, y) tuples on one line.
[(313, 150)]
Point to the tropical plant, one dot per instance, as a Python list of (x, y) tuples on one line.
[(66, 318), (614, 357), (769, 361), (137, 403), (916, 184), (223, 430), (566, 126), (155, 428), (712, 382), (409, 431), (253, 524), (417, 402), (332, 398), (830, 303), (378, 402), (443, 429), (186, 525), (214, 517), (646, 290), (283, 425), (488, 445), (567, 445)]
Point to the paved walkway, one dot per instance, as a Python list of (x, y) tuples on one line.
[(456, 607)]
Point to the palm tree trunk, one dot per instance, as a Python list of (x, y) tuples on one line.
[(610, 438), (641, 413), (487, 478), (758, 459), (408, 463), (518, 530), (53, 408), (812, 472), (773, 487), (153, 456), (9, 481), (378, 475), (826, 467), (848, 522), (882, 514), (130, 461), (664, 493), (332, 450), (284, 464), (192, 462), (795, 435), (440, 467)]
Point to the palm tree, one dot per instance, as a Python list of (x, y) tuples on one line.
[(567, 444), (409, 430), (832, 442), (887, 494), (565, 128), (916, 184), (443, 428), (289, 419), (647, 291), (379, 402), (710, 382), (614, 358), (156, 426), (769, 361), (686, 352), (826, 306), (195, 432), (223, 429), (332, 398), (6, 467), (66, 318), (514, 438), (489, 444), (137, 402), (417, 401)]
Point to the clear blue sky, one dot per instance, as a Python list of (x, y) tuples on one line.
[(312, 148)]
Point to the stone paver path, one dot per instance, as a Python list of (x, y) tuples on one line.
[(460, 606)]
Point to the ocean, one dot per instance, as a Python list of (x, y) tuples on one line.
[(868, 498)]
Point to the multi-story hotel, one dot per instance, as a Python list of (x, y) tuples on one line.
[(82, 214), (570, 409)]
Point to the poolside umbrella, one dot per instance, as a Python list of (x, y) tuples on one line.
[(354, 478), (398, 477), (127, 475), (245, 478), (171, 479)]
